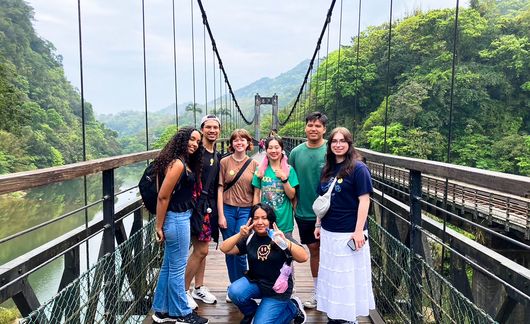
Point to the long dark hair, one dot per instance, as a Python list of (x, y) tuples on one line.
[(350, 159), (177, 147), (271, 216)]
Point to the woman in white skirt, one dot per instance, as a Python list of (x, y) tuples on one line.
[(344, 288)]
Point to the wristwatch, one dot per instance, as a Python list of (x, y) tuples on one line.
[(284, 181)]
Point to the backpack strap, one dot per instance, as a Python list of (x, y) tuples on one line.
[(238, 175)]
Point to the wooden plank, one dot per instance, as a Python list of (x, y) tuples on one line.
[(509, 183), (30, 179), (216, 279)]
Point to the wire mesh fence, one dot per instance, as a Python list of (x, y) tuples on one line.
[(117, 289), (409, 290)]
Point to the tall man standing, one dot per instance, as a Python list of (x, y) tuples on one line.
[(211, 128), (308, 160)]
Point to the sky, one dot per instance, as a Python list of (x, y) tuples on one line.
[(255, 39)]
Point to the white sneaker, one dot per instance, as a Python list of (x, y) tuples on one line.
[(204, 294), (227, 299), (191, 303), (311, 303)]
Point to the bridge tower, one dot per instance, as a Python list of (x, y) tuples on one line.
[(258, 101)]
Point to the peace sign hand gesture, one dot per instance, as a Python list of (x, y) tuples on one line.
[(244, 230)]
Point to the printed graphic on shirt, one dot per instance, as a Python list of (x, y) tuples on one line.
[(263, 252)]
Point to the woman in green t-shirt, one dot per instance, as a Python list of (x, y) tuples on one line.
[(275, 183)]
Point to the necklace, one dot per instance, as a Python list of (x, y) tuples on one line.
[(238, 160)]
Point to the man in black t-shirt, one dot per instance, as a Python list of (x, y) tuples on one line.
[(211, 128)]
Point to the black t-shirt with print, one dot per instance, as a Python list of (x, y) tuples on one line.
[(265, 259)]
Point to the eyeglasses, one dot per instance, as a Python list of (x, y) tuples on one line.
[(339, 141)]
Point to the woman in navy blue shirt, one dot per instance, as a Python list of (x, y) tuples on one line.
[(344, 288)]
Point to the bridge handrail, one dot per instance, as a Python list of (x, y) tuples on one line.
[(30, 179)]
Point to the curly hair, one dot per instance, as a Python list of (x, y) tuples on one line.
[(177, 147), (350, 159)]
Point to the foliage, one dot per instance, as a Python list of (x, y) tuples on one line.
[(490, 118), (8, 315), (40, 111)]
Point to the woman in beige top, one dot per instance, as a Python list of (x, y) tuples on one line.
[(234, 202)]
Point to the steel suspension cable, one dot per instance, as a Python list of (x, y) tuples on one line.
[(205, 75), (214, 85), (83, 125), (317, 48), (145, 78), (449, 134), (356, 100), (193, 66), (175, 66), (385, 148), (337, 84), (326, 70), (317, 81), (214, 46)]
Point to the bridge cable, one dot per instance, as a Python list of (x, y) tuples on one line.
[(175, 66), (214, 85), (193, 66), (317, 81), (205, 75), (214, 46), (83, 126), (326, 70), (449, 134), (337, 84), (357, 83), (145, 78), (319, 41)]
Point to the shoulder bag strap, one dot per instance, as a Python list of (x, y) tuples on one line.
[(238, 175)]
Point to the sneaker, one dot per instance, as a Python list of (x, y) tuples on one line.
[(192, 318), (311, 303), (247, 319), (301, 316), (163, 318), (227, 299), (191, 302), (204, 294)]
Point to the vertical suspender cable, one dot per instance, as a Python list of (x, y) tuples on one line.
[(326, 68), (357, 83), (214, 86), (193, 66), (205, 75), (449, 134), (145, 78), (220, 111), (175, 66), (317, 82), (385, 148), (83, 125), (337, 83)]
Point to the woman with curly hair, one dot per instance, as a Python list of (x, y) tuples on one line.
[(178, 166)]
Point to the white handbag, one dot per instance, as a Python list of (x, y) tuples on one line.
[(322, 203)]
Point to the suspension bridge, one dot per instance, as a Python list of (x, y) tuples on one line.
[(450, 244)]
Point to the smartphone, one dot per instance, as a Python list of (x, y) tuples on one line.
[(351, 243)]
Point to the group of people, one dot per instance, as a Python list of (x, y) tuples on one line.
[(255, 206)]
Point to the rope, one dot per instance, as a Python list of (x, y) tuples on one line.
[(214, 46), (317, 48)]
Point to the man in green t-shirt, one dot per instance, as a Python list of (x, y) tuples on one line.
[(308, 159)]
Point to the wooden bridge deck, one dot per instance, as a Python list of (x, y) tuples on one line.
[(216, 279)]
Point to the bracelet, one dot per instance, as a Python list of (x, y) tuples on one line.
[(290, 246), (317, 225)]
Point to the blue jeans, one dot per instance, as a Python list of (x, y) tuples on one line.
[(170, 294), (235, 218), (270, 310)]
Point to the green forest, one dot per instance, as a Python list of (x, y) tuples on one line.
[(491, 107), (40, 110)]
